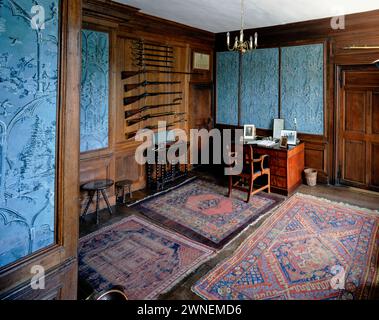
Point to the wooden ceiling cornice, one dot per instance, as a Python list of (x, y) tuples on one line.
[(109, 10), (355, 24)]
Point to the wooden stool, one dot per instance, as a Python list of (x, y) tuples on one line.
[(97, 186), (121, 186)]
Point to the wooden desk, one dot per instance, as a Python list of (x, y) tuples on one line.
[(286, 166)]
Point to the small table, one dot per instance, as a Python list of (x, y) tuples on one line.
[(121, 186), (97, 186)]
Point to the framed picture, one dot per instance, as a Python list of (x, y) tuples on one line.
[(201, 61), (291, 136), (249, 132), (278, 127), (283, 142)]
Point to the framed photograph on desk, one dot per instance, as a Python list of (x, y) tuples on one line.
[(249, 132), (291, 136), (283, 142)]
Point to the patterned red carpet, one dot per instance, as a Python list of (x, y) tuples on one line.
[(201, 211), (144, 258), (309, 248)]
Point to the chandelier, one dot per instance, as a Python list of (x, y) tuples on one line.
[(239, 44)]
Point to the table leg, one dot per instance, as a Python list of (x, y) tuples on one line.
[(123, 195), (106, 200), (91, 195), (130, 191)]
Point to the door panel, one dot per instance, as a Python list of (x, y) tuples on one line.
[(355, 119), (375, 165), (355, 169), (375, 113)]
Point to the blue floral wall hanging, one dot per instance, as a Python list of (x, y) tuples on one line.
[(28, 114), (94, 91)]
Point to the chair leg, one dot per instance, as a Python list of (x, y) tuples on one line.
[(230, 186), (251, 185), (269, 182)]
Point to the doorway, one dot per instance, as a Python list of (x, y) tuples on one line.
[(357, 127)]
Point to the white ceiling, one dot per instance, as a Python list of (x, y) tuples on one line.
[(225, 15)]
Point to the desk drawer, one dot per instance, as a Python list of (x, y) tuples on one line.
[(278, 171), (279, 182), (278, 162)]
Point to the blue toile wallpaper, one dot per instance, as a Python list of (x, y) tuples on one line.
[(260, 88), (227, 87), (94, 91), (28, 110), (302, 93)]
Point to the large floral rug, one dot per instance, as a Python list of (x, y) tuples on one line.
[(144, 258), (309, 249), (202, 211)]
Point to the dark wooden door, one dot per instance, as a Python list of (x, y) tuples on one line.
[(358, 128)]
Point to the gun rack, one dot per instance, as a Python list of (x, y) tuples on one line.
[(153, 87)]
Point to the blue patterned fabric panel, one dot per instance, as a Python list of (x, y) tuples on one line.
[(260, 87), (302, 93), (28, 107), (227, 87), (94, 103)]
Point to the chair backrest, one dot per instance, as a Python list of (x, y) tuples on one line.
[(248, 155)]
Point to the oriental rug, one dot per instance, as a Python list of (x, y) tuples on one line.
[(142, 257), (309, 249), (202, 211)]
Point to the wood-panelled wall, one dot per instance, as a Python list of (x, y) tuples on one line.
[(360, 29), (126, 24)]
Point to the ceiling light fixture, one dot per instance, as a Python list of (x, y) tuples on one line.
[(239, 44)]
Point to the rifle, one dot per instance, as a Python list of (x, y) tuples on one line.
[(128, 74), (143, 44), (132, 134), (141, 59), (141, 50), (133, 112), (151, 116), (129, 87), (130, 100), (153, 65), (153, 55)]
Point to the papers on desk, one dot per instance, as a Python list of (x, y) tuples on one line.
[(262, 143), (266, 143)]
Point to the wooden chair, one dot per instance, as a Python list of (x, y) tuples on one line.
[(252, 170)]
